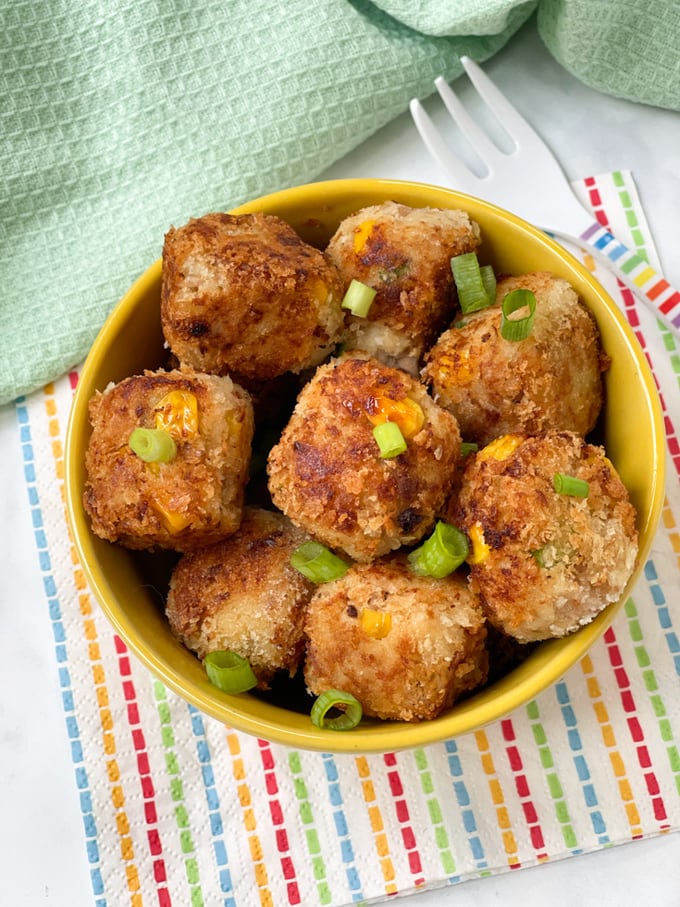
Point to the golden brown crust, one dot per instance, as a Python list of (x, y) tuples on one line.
[(202, 488), (404, 253), (433, 653), (326, 472), (551, 380), (554, 560), (243, 595), (244, 295)]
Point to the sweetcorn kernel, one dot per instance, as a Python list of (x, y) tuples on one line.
[(407, 414), (376, 624), (361, 234), (480, 549), (177, 413), (500, 448)]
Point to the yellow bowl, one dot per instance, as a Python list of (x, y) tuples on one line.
[(131, 340)]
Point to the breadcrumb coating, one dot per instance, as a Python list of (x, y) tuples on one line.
[(244, 295), (327, 474), (550, 380), (243, 595), (192, 501), (548, 563), (404, 253), (433, 652)]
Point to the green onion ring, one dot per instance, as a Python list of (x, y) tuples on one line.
[(517, 328), (468, 447), (153, 445), (570, 485), (442, 553), (476, 286), (349, 706), (358, 298), (229, 671), (390, 440), (314, 561)]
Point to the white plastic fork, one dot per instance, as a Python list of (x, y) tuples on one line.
[(550, 204)]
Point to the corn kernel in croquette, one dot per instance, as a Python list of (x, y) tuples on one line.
[(328, 475)]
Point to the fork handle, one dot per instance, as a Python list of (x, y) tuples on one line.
[(633, 270)]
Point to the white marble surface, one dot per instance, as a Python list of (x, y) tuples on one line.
[(42, 854)]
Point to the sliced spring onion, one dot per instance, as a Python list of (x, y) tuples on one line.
[(486, 272), (571, 485), (470, 284), (229, 671), (348, 706), (390, 440), (153, 445), (358, 298), (442, 553), (517, 328), (317, 563), (468, 447), (538, 555)]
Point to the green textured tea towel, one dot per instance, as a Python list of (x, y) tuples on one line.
[(122, 117)]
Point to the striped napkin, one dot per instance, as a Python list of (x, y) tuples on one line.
[(179, 809)]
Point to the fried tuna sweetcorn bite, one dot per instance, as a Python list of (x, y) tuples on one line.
[(244, 295), (545, 562), (327, 474), (404, 253), (405, 646), (193, 500), (243, 595), (550, 380)]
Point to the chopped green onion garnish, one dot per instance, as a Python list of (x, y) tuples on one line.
[(348, 705), (517, 328), (358, 298), (389, 439), (442, 553), (317, 563), (468, 447), (538, 555), (229, 672), (153, 445), (486, 272), (577, 488), (470, 284)]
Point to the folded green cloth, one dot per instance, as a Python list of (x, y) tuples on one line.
[(121, 118)]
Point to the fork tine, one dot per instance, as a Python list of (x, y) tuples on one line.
[(439, 150), (480, 141), (512, 121)]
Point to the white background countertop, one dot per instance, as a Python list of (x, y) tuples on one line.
[(42, 853)]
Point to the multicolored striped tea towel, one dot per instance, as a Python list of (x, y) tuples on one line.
[(180, 810)]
